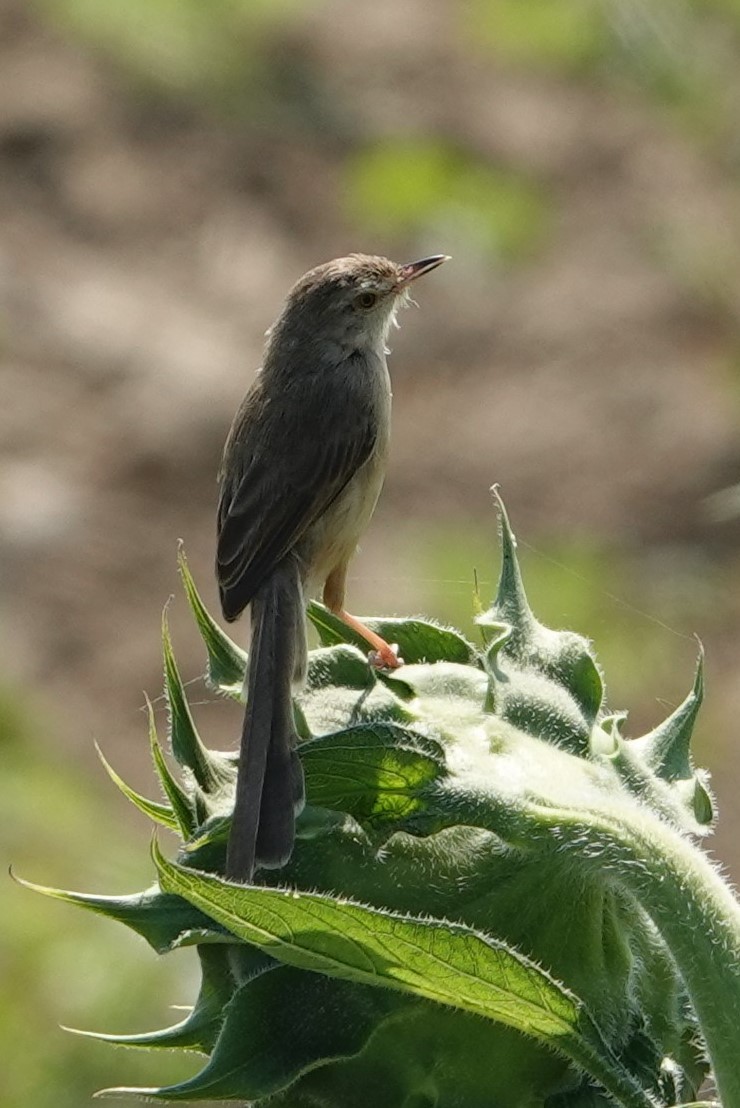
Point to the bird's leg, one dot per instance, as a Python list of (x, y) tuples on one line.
[(383, 655)]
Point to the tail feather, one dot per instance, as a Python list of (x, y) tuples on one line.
[(276, 831), (269, 789)]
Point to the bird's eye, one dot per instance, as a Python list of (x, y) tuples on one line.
[(366, 300)]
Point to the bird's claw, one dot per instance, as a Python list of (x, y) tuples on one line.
[(386, 658)]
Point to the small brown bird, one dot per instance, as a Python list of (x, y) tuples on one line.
[(302, 470)]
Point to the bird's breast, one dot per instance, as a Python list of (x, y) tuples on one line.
[(332, 540)]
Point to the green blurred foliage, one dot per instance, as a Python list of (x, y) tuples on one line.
[(186, 46), (729, 9), (404, 188), (678, 56), (57, 968), (562, 35)]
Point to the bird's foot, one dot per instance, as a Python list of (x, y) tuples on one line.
[(383, 655), (387, 658)]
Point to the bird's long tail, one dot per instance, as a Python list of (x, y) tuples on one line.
[(269, 787)]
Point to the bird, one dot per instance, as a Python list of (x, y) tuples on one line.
[(301, 472)]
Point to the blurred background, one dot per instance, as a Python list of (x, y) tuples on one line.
[(168, 168)]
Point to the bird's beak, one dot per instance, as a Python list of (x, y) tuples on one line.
[(409, 272)]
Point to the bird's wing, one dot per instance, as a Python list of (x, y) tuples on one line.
[(279, 476)]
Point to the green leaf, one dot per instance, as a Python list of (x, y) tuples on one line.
[(337, 707), (561, 656), (511, 608), (377, 773), (341, 664), (227, 663), (686, 803), (443, 962), (667, 749), (166, 922), (702, 803), (418, 640), (264, 1047), (447, 684), (539, 707), (159, 813), (200, 1028), (183, 808), (574, 667), (208, 769)]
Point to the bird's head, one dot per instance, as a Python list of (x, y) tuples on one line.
[(351, 302)]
